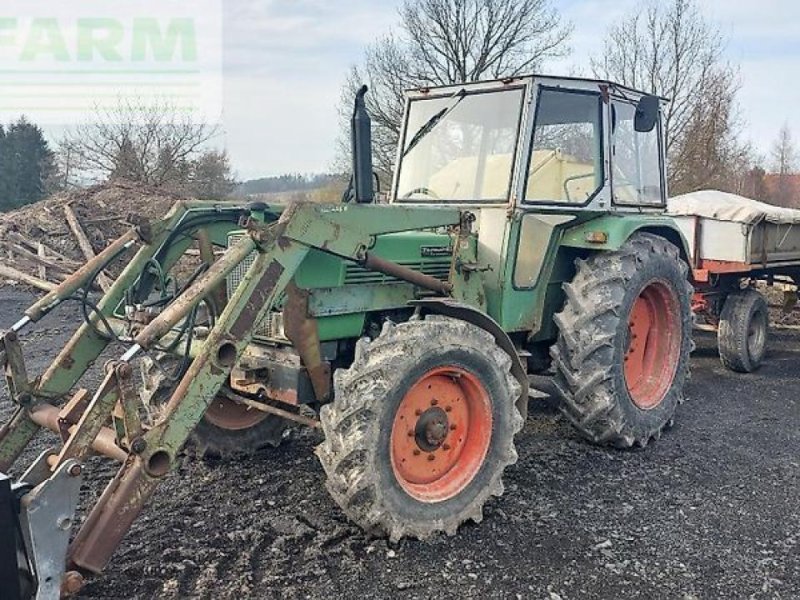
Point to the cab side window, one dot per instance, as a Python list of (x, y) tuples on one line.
[(566, 163), (635, 164)]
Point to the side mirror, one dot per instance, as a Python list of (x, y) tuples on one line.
[(646, 114)]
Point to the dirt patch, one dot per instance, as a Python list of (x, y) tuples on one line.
[(709, 511)]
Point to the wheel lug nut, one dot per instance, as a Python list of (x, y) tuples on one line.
[(434, 402), (445, 446), (453, 427), (431, 457), (416, 452), (418, 412), (410, 433), (448, 408)]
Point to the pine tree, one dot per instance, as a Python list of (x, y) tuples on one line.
[(26, 165)]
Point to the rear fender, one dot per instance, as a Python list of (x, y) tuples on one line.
[(615, 230), (450, 308)]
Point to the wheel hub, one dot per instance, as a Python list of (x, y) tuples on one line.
[(432, 429), (441, 434)]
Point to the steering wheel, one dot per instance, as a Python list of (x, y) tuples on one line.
[(422, 190)]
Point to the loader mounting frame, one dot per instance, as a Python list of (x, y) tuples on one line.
[(107, 421)]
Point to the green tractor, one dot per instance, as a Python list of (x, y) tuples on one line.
[(524, 232)]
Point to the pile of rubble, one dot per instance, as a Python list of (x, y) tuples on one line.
[(42, 243)]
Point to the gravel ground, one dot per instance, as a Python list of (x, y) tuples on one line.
[(709, 511)]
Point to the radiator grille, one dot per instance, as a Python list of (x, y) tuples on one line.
[(271, 326), (438, 267)]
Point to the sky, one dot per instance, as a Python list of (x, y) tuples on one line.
[(284, 62)]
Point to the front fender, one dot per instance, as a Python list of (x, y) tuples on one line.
[(450, 308)]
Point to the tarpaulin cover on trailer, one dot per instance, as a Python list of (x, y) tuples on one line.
[(722, 206)]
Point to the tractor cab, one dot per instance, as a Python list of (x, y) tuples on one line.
[(533, 143)]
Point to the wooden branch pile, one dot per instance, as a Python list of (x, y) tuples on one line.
[(33, 262)]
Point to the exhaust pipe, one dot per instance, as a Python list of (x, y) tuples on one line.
[(361, 148)]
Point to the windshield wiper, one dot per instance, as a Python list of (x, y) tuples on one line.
[(428, 126)]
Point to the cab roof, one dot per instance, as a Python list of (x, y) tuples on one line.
[(521, 79)]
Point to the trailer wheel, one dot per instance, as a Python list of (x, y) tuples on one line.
[(743, 331), (228, 428), (421, 428), (622, 355)]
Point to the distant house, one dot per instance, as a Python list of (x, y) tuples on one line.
[(783, 190)]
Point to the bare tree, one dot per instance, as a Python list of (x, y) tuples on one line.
[(672, 50), (442, 42), (149, 143), (784, 153), (709, 153), (784, 166)]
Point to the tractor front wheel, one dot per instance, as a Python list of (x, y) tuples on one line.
[(228, 427), (622, 356), (421, 428)]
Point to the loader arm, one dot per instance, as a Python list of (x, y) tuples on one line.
[(149, 454)]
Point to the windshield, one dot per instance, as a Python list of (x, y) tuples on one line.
[(460, 147)]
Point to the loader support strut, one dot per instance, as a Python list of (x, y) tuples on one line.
[(135, 483)]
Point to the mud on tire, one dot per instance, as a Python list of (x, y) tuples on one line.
[(366, 424), (596, 339)]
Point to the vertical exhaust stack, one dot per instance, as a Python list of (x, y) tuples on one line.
[(361, 148)]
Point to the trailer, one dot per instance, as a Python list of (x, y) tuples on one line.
[(734, 243)]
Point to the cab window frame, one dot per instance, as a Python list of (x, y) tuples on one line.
[(601, 142), (613, 157), (519, 138)]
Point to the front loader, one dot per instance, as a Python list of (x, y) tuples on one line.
[(524, 228)]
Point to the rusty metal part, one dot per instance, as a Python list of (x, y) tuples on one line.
[(273, 410), (71, 412), (47, 416), (112, 516), (72, 583), (392, 269), (303, 333), (97, 413), (16, 374), (75, 281), (129, 403), (182, 305)]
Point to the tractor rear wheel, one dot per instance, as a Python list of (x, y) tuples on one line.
[(743, 330), (622, 355), (421, 428)]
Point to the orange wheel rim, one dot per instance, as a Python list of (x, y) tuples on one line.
[(654, 345), (235, 416), (441, 434)]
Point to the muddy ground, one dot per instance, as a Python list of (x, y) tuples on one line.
[(709, 511)]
